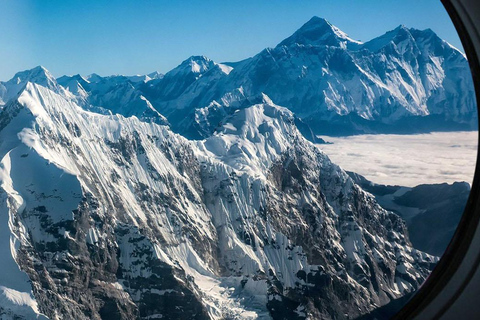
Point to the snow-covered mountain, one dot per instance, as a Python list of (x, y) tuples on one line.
[(107, 95), (113, 94), (110, 217), (10, 89), (404, 81)]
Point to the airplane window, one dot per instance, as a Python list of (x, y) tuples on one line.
[(449, 287)]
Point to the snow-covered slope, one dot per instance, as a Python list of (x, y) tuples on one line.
[(77, 85), (113, 94), (404, 81), (112, 217), (107, 95)]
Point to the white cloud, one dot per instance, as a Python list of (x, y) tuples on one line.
[(407, 160)]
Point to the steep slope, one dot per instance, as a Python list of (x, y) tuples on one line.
[(432, 211), (95, 210), (183, 89), (115, 218), (404, 81)]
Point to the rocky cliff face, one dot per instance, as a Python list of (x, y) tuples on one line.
[(107, 217), (431, 211)]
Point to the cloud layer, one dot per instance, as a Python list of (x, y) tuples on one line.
[(407, 160)]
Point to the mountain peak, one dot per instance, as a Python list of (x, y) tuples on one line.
[(39, 75), (155, 75), (76, 84), (40, 69), (94, 78), (318, 31), (198, 64), (194, 64), (397, 35), (76, 77), (317, 21), (402, 32), (425, 34)]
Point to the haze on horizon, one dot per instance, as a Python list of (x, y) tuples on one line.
[(407, 160), (129, 38)]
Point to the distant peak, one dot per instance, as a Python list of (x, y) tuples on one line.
[(424, 33), (79, 77), (201, 61), (28, 79), (155, 75), (39, 74), (401, 30), (196, 59), (318, 31), (194, 64), (199, 58), (93, 78), (66, 80), (317, 21), (38, 70), (397, 35)]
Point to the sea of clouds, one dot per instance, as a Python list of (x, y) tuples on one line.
[(407, 160)]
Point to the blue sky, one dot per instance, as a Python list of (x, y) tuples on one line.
[(138, 37)]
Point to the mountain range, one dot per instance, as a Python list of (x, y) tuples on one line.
[(405, 81), (194, 195)]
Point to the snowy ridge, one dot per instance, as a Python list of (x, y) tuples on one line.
[(120, 216), (113, 95), (77, 85)]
